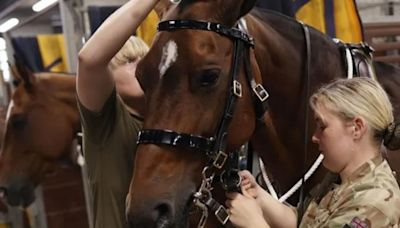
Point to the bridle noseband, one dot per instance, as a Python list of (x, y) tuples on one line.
[(214, 147)]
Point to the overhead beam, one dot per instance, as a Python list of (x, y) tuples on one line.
[(10, 8), (33, 17)]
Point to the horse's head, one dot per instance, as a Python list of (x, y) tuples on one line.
[(189, 76), (40, 125)]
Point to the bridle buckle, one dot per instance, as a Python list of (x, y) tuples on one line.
[(260, 92), (220, 159), (237, 88), (222, 215)]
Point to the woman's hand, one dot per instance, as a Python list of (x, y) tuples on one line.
[(244, 211), (250, 185), (256, 208)]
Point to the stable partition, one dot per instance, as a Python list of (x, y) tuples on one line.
[(384, 37)]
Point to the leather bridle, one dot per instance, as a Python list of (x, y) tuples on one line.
[(214, 147)]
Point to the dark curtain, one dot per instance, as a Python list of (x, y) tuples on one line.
[(27, 50), (97, 14)]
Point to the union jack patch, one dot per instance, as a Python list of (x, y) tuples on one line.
[(357, 223)]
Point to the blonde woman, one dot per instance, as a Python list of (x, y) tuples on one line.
[(111, 105), (353, 119)]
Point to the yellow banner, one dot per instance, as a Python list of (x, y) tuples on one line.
[(336, 18), (53, 52), (148, 29)]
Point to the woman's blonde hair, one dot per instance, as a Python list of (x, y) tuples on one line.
[(133, 49), (361, 96)]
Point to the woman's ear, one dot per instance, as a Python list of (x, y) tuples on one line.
[(359, 127)]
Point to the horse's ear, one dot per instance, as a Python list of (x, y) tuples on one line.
[(16, 77), (162, 7), (233, 10), (23, 73), (247, 5)]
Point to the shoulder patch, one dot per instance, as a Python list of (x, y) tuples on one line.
[(357, 223)]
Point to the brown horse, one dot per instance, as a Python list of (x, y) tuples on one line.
[(41, 123), (193, 73)]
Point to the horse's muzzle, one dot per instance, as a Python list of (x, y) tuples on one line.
[(20, 192)]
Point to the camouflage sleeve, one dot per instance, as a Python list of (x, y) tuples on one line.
[(360, 216)]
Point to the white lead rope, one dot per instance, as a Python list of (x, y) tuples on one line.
[(296, 186), (267, 180), (350, 70)]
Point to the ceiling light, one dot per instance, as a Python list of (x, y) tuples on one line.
[(43, 4), (9, 24)]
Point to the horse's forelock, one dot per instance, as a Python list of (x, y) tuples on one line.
[(186, 3)]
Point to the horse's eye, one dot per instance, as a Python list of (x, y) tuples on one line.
[(16, 82), (209, 77), (18, 121)]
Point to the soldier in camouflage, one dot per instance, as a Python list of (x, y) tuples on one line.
[(353, 119), (368, 198)]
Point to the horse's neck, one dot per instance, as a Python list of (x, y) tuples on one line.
[(280, 53)]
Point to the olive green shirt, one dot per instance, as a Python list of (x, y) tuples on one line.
[(369, 198), (109, 144)]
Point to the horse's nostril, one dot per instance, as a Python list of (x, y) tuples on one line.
[(163, 210), (160, 215), (163, 214)]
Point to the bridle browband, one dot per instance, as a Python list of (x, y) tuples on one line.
[(223, 30), (214, 147)]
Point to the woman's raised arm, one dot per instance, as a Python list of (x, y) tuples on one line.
[(95, 82)]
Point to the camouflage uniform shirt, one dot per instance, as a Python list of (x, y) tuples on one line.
[(369, 198)]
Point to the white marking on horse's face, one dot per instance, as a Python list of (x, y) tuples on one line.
[(10, 106), (169, 56)]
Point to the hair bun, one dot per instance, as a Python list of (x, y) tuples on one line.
[(391, 139)]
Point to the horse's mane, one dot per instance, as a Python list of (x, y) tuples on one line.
[(265, 14), (276, 20)]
